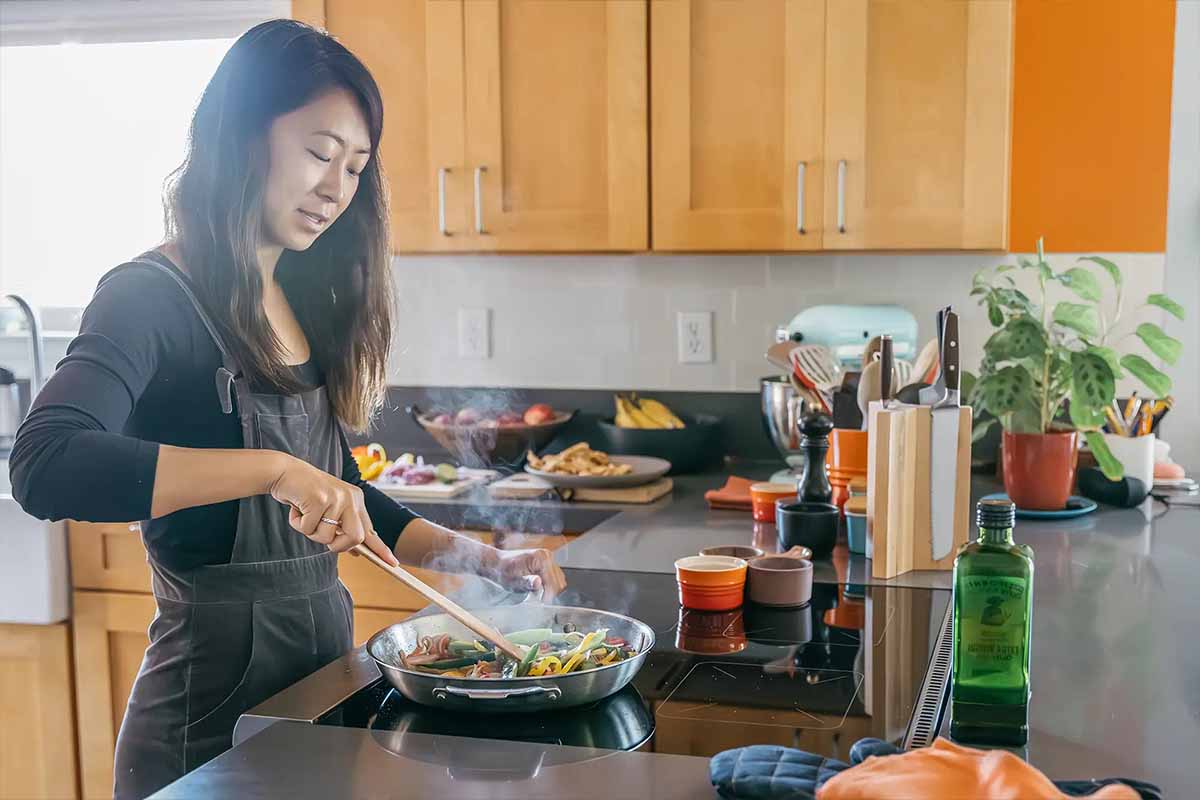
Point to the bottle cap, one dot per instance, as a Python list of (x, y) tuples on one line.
[(995, 513)]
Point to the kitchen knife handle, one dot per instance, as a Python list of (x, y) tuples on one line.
[(801, 168), (442, 172), (841, 196), (950, 351), (887, 364), (479, 199)]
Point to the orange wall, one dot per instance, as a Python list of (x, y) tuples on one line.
[(1091, 124)]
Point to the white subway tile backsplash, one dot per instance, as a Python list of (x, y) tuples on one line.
[(608, 321)]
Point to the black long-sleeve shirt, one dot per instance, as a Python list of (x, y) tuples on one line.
[(140, 373)]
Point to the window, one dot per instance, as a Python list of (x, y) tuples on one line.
[(88, 133)]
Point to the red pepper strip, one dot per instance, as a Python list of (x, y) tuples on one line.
[(615, 641)]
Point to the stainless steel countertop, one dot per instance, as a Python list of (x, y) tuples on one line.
[(1115, 672)]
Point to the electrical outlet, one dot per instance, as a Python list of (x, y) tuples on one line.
[(695, 337), (474, 333)]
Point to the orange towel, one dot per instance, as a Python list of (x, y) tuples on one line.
[(734, 495), (949, 771)]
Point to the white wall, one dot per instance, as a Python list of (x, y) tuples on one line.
[(1182, 428)]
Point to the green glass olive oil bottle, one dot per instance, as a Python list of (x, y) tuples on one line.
[(993, 620)]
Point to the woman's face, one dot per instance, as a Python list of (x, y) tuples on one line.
[(316, 155)]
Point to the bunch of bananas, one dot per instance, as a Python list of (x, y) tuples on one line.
[(644, 412)]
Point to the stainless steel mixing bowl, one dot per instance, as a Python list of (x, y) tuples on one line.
[(782, 408)]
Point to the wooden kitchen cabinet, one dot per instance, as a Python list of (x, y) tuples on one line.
[(512, 125), (917, 124), (37, 726), (414, 49), (108, 556), (111, 635), (737, 124), (556, 124)]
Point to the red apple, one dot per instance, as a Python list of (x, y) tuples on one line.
[(468, 416), (538, 414)]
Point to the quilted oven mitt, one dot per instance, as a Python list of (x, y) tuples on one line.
[(770, 772)]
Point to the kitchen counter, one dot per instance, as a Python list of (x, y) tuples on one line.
[(1115, 672)]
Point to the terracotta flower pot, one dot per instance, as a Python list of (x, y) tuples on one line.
[(1039, 469)]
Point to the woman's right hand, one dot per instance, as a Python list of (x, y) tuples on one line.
[(315, 497)]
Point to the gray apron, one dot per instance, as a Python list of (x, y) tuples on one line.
[(227, 637)]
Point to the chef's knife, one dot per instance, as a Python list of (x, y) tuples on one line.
[(931, 395), (887, 365), (943, 445)]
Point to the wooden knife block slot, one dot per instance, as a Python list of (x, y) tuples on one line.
[(899, 524)]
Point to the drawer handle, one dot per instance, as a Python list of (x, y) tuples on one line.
[(479, 199), (442, 172), (841, 198), (801, 168)]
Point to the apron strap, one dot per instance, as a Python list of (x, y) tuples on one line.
[(229, 369)]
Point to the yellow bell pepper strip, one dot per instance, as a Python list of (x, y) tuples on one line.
[(572, 662), (608, 659), (373, 471), (546, 666)]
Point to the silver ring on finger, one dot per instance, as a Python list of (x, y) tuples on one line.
[(337, 523)]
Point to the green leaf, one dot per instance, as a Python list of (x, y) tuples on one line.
[(1166, 304), (1158, 383), (1110, 356), (1113, 270), (1078, 317), (1163, 346), (995, 316), (1003, 391), (1047, 273), (966, 383), (1006, 267), (1109, 465), (1026, 263), (978, 290), (981, 430), (1027, 418), (1085, 418), (1092, 384), (1082, 282)]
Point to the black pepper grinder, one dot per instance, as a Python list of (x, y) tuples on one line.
[(813, 486)]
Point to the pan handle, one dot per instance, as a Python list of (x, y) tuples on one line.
[(550, 692)]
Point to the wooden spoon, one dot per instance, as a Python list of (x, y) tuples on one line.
[(472, 622), (869, 388), (924, 368)]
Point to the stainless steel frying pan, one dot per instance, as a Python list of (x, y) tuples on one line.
[(511, 694)]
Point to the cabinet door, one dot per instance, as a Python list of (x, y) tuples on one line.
[(37, 726), (917, 101), (108, 555), (110, 639), (556, 124), (414, 50), (737, 124)]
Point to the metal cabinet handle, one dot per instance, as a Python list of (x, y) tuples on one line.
[(550, 692), (479, 199), (442, 173), (841, 200), (801, 168)]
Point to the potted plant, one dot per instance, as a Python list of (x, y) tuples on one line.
[(1049, 371)]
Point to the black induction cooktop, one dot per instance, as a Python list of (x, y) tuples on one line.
[(852, 663)]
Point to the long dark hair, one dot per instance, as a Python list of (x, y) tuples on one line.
[(340, 288)]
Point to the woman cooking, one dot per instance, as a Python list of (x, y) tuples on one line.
[(207, 391)]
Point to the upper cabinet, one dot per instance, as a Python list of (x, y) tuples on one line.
[(510, 124), (523, 125), (556, 124), (737, 125), (917, 110), (414, 50)]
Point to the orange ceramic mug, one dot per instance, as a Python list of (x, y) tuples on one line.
[(763, 497)]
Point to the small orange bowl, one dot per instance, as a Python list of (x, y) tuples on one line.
[(763, 497), (711, 583)]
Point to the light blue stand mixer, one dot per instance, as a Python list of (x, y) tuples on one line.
[(845, 330)]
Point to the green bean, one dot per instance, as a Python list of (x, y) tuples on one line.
[(464, 661)]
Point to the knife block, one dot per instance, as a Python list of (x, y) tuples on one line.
[(898, 484)]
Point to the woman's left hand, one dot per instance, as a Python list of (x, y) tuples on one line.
[(530, 570)]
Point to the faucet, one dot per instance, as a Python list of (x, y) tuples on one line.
[(38, 377)]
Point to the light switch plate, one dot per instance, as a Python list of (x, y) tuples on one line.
[(474, 333), (695, 337)]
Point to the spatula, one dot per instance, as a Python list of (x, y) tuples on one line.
[(472, 622), (817, 369)]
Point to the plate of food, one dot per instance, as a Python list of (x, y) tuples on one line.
[(579, 466)]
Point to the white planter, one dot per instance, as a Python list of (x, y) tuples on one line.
[(1136, 454)]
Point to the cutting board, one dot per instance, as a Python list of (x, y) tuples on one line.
[(521, 486), (436, 490), (646, 493)]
